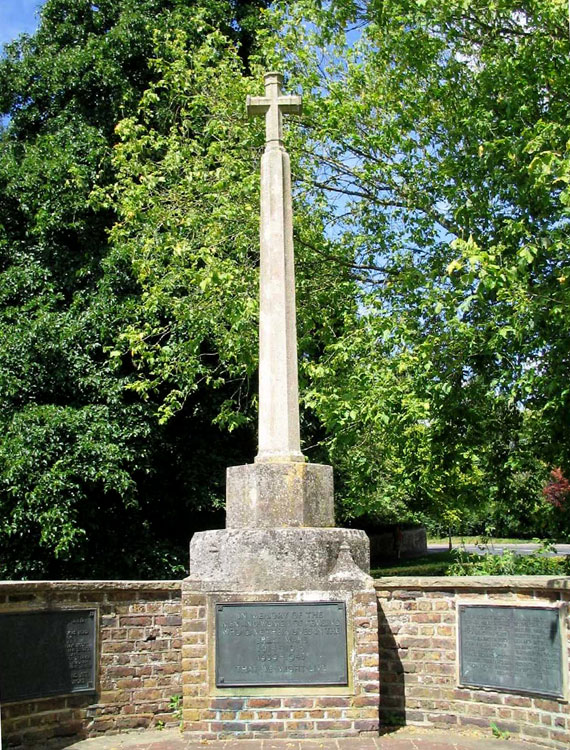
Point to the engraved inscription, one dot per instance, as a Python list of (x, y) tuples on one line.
[(281, 644), (47, 653), (511, 648), (79, 650)]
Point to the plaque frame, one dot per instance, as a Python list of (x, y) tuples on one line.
[(93, 611), (561, 608), (286, 687)]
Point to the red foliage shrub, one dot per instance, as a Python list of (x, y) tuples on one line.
[(557, 491)]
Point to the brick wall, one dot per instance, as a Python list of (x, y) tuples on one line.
[(418, 657), (407, 646), (299, 711), (139, 654)]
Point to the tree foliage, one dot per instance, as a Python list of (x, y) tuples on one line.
[(436, 145), (83, 458)]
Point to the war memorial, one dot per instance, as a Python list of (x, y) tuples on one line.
[(279, 631)]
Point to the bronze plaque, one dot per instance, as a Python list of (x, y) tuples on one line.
[(281, 643), (47, 653), (511, 648)]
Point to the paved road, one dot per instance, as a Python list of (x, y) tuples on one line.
[(498, 549), (408, 738)]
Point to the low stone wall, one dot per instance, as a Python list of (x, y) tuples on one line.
[(139, 657), (418, 631)]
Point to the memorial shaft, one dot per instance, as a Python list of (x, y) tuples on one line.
[(279, 490), (279, 435)]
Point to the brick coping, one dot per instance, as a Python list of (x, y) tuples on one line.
[(499, 583), (544, 583), (8, 587)]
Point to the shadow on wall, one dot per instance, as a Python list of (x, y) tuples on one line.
[(55, 721), (398, 541), (392, 705)]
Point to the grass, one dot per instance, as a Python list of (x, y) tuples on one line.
[(457, 541), (435, 564)]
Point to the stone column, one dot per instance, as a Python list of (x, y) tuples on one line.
[(279, 437), (279, 489)]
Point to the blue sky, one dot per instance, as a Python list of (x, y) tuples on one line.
[(17, 16)]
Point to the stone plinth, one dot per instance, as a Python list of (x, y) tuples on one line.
[(254, 559), (270, 495)]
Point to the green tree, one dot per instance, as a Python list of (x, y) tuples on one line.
[(187, 198), (431, 242), (436, 144), (90, 483)]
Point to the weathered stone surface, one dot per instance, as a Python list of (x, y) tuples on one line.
[(346, 571), (256, 559), (271, 495), (279, 438)]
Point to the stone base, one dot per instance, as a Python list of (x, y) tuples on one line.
[(269, 495), (211, 712), (286, 558)]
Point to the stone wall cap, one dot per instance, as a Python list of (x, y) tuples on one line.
[(473, 582), (86, 585)]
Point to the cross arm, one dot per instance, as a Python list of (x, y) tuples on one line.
[(258, 105), (290, 105)]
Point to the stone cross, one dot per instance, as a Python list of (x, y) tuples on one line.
[(273, 105), (279, 435)]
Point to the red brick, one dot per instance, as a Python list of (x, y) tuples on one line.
[(264, 715), (298, 702), (171, 620), (366, 725), (266, 726), (300, 726), (334, 702), (428, 617), (367, 674), (515, 700), (337, 724), (228, 704), (264, 702), (115, 647), (138, 620), (546, 705)]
